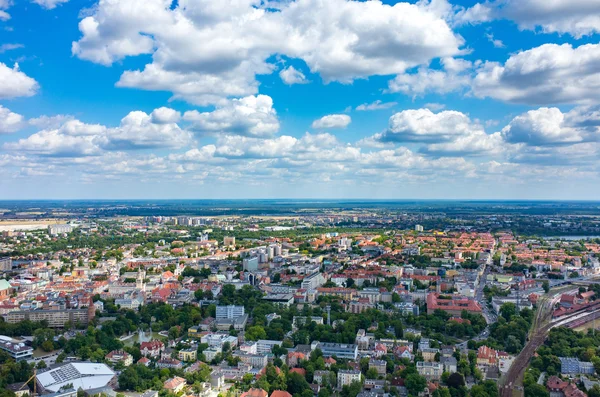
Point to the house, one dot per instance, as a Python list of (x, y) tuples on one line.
[(175, 384), (20, 389), (280, 393), (255, 393), (299, 371), (188, 354), (144, 361), (429, 354), (556, 386), (153, 348), (169, 363), (449, 363), (321, 377), (217, 379), (486, 356), (431, 371), (119, 355), (403, 352), (347, 377), (379, 365)]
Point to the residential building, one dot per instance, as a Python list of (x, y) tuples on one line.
[(339, 350), (5, 264), (264, 346), (55, 230), (153, 348), (190, 354), (55, 318), (572, 366), (379, 365), (451, 304), (175, 384), (431, 371), (347, 377), (119, 355)]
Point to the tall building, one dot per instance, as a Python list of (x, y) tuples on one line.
[(230, 312), (59, 229), (418, 228), (5, 264), (250, 264)]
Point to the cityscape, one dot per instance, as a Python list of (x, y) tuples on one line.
[(299, 298), (299, 198)]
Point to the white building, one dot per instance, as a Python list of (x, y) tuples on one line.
[(59, 229), (230, 312), (81, 375), (429, 370), (347, 377)]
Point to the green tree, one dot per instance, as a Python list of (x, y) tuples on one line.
[(536, 390), (415, 383)]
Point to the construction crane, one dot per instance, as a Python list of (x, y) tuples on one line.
[(29, 380)]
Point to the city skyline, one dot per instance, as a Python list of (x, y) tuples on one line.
[(334, 99)]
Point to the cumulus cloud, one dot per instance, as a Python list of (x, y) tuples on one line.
[(454, 75), (165, 115), (14, 83), (377, 105), (332, 121), (576, 17), (204, 51), (10, 121), (549, 127), (291, 75), (447, 133), (251, 116), (547, 74), (423, 125), (74, 138)]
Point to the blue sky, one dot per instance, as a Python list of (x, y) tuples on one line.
[(242, 99)]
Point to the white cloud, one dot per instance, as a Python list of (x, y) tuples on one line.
[(423, 125), (9, 47), (14, 83), (204, 51), (548, 74), (549, 126), (74, 138), (291, 75), (495, 42), (10, 121), (4, 5), (49, 4), (454, 75), (377, 105), (54, 143), (49, 122), (332, 121), (165, 115), (251, 116), (447, 133), (576, 17), (434, 106)]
